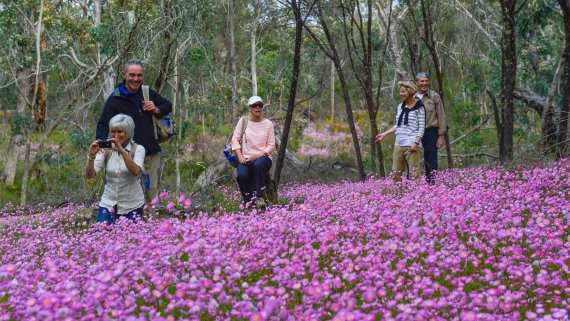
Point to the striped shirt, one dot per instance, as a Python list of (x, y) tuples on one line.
[(406, 134), (258, 137)]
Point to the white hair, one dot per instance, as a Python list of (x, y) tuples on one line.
[(124, 122), (132, 62)]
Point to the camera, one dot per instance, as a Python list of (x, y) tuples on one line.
[(105, 144)]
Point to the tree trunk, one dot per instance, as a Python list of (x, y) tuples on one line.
[(431, 44), (256, 10), (295, 7), (360, 45), (102, 59), (548, 130), (350, 118), (331, 90), (330, 50), (233, 65), (175, 112), (496, 113), (168, 43), (562, 149), (396, 50), (17, 138), (24, 188), (38, 80), (508, 79)]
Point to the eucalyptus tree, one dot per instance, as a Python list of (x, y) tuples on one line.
[(509, 10), (295, 8), (562, 136), (231, 31), (328, 45), (357, 19), (432, 44)]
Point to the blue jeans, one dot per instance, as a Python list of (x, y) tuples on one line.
[(105, 215), (429, 142), (251, 178)]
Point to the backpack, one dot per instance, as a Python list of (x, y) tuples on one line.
[(163, 126), (228, 152), (144, 177)]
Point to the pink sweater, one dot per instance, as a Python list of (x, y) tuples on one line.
[(258, 137)]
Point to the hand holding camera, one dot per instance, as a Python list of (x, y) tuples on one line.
[(105, 144), (97, 146)]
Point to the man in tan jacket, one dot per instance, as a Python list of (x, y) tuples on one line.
[(436, 124)]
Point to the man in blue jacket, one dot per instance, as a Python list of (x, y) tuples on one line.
[(127, 98)]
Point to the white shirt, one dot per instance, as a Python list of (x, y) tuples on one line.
[(121, 187)]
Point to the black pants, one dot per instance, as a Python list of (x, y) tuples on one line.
[(251, 178), (429, 142)]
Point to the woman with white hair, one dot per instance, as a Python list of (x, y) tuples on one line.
[(123, 162), (409, 129)]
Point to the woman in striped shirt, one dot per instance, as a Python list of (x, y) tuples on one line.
[(253, 150), (409, 129)]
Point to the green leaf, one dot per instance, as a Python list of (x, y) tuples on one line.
[(171, 289), (4, 298), (184, 257)]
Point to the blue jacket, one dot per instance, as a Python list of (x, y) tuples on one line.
[(117, 103)]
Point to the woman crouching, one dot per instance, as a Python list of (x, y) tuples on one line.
[(123, 162)]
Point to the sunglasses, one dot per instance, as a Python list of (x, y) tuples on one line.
[(258, 105)]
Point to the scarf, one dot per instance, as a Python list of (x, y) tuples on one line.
[(135, 98), (406, 111)]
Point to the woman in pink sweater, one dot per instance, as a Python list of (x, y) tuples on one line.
[(253, 150)]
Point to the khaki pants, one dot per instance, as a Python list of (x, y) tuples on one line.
[(152, 168), (403, 156)]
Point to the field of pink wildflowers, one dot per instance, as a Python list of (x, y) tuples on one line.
[(483, 244)]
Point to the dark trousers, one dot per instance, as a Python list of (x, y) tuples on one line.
[(429, 142), (251, 178), (106, 215)]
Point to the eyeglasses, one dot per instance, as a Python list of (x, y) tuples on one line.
[(258, 105)]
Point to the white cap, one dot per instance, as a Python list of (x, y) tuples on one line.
[(253, 100)]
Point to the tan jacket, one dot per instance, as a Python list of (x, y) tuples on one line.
[(435, 113)]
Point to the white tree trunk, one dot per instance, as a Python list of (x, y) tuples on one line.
[(11, 165), (233, 59), (256, 9), (38, 72), (16, 140), (395, 48), (108, 72), (175, 112)]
